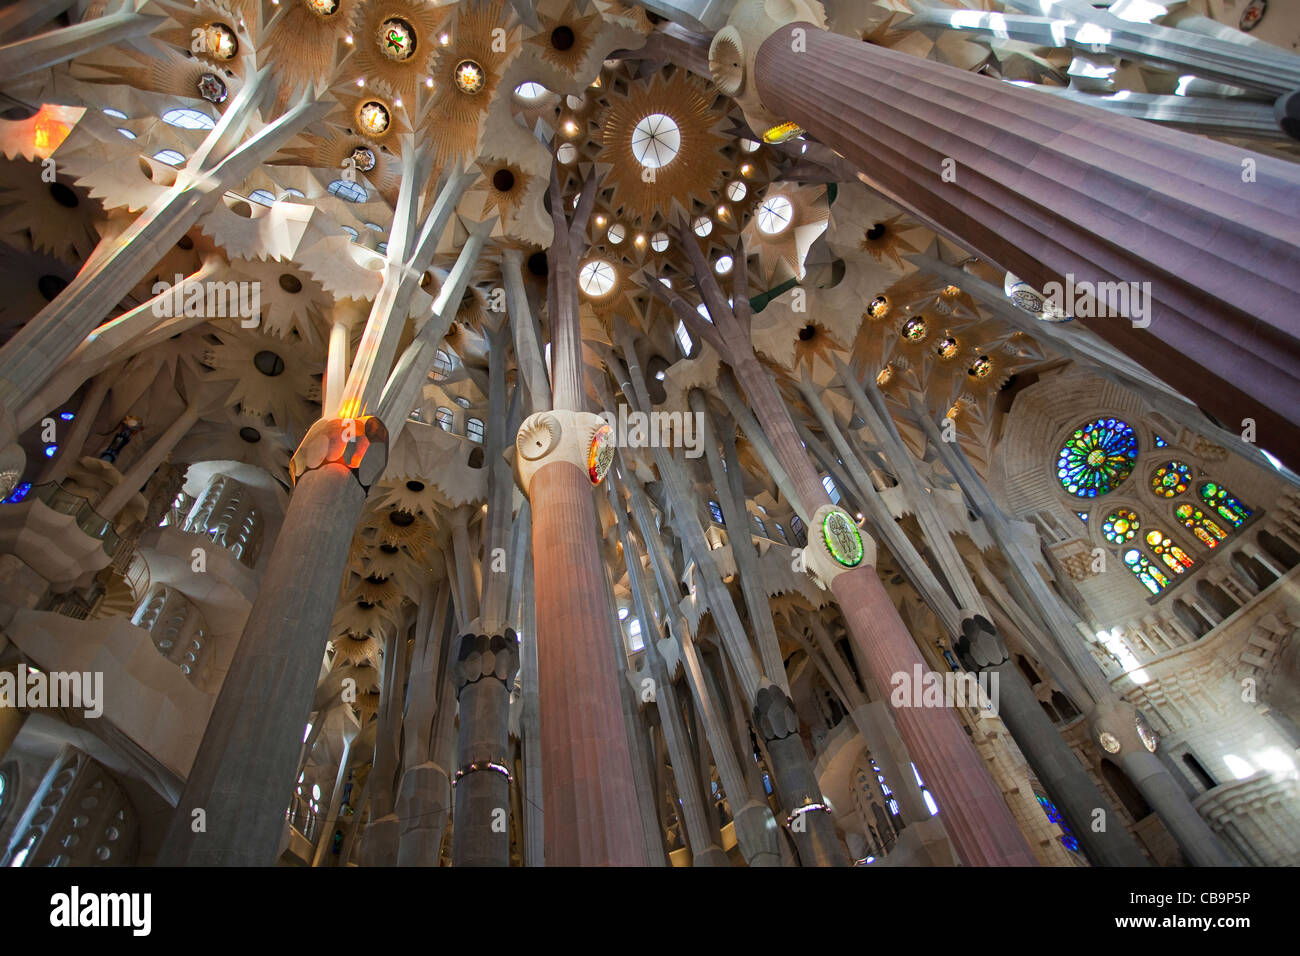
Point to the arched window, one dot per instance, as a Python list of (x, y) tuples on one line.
[(170, 157), (444, 418), (352, 192), (684, 340), (716, 512), (800, 536), (761, 528), (1152, 578), (781, 532), (1174, 557), (1206, 529), (829, 484), (441, 365), (189, 119), (262, 197), (474, 429), (1222, 501), (634, 639)]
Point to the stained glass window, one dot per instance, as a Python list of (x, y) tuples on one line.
[(1083, 516), (1206, 529), (1068, 839), (1120, 526), (1152, 578), (1174, 557), (1160, 442), (716, 512), (1097, 457), (1170, 479), (1222, 501)]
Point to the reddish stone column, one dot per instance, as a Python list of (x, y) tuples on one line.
[(592, 818), (1045, 187)]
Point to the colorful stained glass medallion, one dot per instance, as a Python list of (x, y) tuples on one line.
[(1174, 557), (1150, 739), (843, 539), (1097, 457), (878, 307), (981, 367), (374, 118), (1120, 526), (1152, 578), (782, 133), (470, 77), (1253, 13), (1206, 529), (397, 39), (216, 40), (601, 454), (946, 348), (323, 8), (1170, 479), (1222, 501), (914, 329), (213, 88), (363, 159)]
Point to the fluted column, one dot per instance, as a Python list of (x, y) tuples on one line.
[(1047, 188)]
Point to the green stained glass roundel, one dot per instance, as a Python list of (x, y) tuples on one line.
[(843, 539), (1097, 457)]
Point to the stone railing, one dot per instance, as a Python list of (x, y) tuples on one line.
[(1259, 816), (88, 519)]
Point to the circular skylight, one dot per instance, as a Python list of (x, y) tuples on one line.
[(615, 234), (530, 91), (723, 265), (567, 153), (774, 215), (659, 241), (736, 190), (748, 145), (656, 140), (596, 277), (702, 225)]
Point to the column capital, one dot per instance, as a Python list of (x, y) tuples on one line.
[(360, 444), (836, 544), (481, 657), (583, 439), (979, 646), (734, 47)]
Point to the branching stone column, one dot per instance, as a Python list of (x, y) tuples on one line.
[(592, 814), (978, 821), (483, 674), (1188, 244), (243, 771)]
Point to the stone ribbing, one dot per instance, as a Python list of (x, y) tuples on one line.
[(1045, 187), (592, 816)]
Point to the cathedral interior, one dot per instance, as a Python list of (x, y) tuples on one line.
[(649, 433)]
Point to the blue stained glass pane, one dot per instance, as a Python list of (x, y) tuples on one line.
[(1160, 442), (19, 493)]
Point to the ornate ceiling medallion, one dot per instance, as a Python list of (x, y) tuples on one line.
[(363, 159), (373, 118), (217, 41), (662, 143), (470, 78), (397, 39), (323, 8), (213, 88)]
